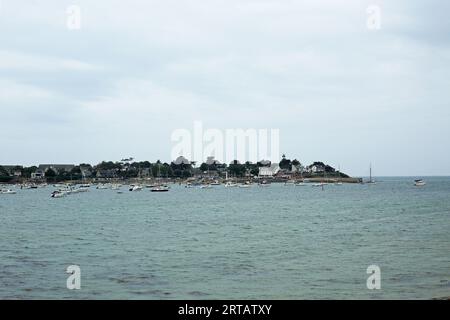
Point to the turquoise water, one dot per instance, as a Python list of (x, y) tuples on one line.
[(278, 242)]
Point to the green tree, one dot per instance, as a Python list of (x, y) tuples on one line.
[(164, 171), (285, 163), (3, 172), (27, 171), (236, 169), (4, 175), (204, 167), (50, 174), (75, 173), (109, 165), (155, 170), (187, 174)]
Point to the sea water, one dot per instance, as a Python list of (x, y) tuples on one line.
[(276, 242)]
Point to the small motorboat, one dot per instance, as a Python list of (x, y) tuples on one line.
[(7, 191), (245, 185), (230, 184), (205, 186), (136, 188), (160, 189), (320, 184), (58, 194), (264, 183), (419, 183), (79, 190)]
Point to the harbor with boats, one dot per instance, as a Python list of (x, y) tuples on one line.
[(131, 176)]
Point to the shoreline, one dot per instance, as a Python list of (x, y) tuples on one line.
[(205, 180)]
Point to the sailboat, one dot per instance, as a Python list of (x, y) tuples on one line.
[(338, 182), (371, 181), (229, 184)]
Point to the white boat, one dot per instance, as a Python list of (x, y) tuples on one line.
[(320, 184), (7, 191), (245, 185), (160, 189), (300, 184), (136, 188), (29, 186), (58, 194), (371, 181), (419, 183), (205, 186), (230, 184), (102, 187), (79, 190)]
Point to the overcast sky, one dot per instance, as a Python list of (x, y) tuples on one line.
[(338, 91)]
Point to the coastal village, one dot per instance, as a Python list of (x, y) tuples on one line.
[(179, 170)]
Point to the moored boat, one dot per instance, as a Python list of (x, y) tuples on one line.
[(160, 189), (247, 184), (230, 184), (419, 183), (7, 191), (320, 184), (136, 188), (58, 194)]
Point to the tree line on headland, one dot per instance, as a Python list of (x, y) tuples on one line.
[(181, 168)]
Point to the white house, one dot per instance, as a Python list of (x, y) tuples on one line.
[(269, 172), (38, 174), (317, 169)]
